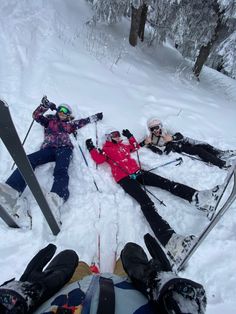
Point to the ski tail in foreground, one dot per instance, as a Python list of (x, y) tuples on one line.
[(13, 144), (213, 210)]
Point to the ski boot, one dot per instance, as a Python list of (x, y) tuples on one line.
[(55, 203), (207, 200), (178, 245)]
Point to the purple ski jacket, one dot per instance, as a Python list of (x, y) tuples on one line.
[(56, 131)]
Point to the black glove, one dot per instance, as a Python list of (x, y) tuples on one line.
[(47, 104), (173, 147), (96, 117), (37, 285), (177, 137), (127, 133), (155, 149), (52, 106), (99, 116), (89, 144), (170, 147)]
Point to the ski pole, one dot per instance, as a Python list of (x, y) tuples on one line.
[(144, 186), (30, 127), (178, 160), (160, 201), (192, 157), (196, 158), (96, 132), (124, 170), (85, 160)]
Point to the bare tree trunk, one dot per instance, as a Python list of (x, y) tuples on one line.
[(142, 23), (135, 22), (202, 58), (205, 50)]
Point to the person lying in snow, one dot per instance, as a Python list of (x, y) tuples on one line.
[(161, 141), (68, 286), (128, 174), (56, 147)]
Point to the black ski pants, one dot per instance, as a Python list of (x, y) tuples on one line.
[(205, 151), (133, 187)]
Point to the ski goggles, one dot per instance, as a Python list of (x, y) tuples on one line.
[(64, 110), (156, 128), (115, 134)]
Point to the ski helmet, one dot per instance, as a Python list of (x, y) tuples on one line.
[(66, 109), (111, 133), (154, 122)]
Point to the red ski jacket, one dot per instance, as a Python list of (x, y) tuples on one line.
[(121, 162)]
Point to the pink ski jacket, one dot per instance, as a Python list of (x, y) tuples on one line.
[(117, 155), (56, 132)]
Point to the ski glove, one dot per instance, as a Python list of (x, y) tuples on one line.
[(177, 137), (173, 147), (155, 149), (89, 144), (96, 117), (37, 285), (47, 104), (127, 133), (54, 107)]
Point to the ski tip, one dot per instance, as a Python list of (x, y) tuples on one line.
[(3, 103), (94, 268)]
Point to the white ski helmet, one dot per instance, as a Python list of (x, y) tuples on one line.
[(65, 106), (154, 122), (108, 133)]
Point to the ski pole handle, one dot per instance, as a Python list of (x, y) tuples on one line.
[(178, 160)]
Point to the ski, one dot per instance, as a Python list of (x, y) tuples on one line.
[(94, 268), (156, 250), (228, 154), (211, 214), (13, 144), (180, 265), (8, 219)]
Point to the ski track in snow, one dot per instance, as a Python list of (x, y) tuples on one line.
[(47, 52)]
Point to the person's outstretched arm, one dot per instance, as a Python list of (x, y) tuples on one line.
[(77, 124), (38, 114), (98, 157)]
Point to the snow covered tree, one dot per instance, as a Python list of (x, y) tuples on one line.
[(161, 17), (223, 56), (109, 11), (196, 28), (202, 30), (206, 48)]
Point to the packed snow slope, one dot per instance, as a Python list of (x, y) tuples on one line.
[(48, 48)]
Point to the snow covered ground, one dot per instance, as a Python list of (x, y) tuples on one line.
[(48, 49)]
